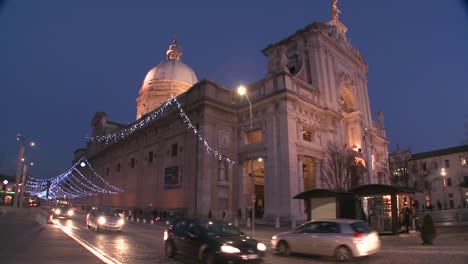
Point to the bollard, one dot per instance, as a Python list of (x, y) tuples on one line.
[(293, 223), (138, 220), (167, 222), (144, 221), (248, 222), (277, 224), (236, 222), (152, 221)]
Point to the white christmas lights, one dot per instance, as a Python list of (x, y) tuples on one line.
[(121, 134)]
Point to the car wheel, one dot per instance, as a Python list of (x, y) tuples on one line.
[(343, 254), (169, 249), (207, 258), (283, 249)]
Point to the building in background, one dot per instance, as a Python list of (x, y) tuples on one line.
[(7, 190), (441, 174), (212, 150)]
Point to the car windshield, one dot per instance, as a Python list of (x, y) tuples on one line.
[(108, 212), (220, 229), (361, 227)]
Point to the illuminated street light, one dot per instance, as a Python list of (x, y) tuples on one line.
[(242, 91), (443, 173)]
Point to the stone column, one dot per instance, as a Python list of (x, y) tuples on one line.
[(318, 182), (300, 181)]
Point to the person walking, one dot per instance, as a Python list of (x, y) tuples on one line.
[(406, 217)]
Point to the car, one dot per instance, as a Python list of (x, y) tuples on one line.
[(104, 218), (62, 210), (209, 241), (341, 238)]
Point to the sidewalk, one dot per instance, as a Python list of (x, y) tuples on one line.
[(27, 238)]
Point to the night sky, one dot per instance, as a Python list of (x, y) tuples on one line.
[(62, 61)]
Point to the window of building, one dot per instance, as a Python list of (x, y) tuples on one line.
[(435, 165), (463, 161), (253, 137), (307, 134), (449, 181), (447, 163), (150, 156), (132, 163), (450, 195), (424, 166), (174, 148)]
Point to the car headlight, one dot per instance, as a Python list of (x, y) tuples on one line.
[(101, 220), (229, 249), (70, 212), (120, 222), (274, 237), (166, 235), (57, 211), (261, 247)]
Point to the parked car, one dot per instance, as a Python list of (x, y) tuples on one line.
[(62, 210), (210, 241), (104, 218), (342, 238)]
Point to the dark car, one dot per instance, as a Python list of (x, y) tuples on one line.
[(211, 242), (104, 218)]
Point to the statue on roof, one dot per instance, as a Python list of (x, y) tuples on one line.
[(335, 11), (174, 52)]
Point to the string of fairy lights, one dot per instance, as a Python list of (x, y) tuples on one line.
[(80, 180), (123, 133)]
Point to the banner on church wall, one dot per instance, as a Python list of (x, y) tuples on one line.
[(172, 178)]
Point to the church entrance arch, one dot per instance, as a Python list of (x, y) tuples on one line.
[(254, 186)]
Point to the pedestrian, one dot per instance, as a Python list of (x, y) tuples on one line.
[(210, 215), (405, 216), (224, 215), (239, 214)]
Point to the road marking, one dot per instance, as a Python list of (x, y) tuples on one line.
[(97, 252)]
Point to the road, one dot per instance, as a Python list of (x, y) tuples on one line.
[(143, 243)]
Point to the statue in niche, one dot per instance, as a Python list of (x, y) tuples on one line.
[(335, 10), (221, 171)]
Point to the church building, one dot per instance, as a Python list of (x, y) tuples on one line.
[(198, 147)]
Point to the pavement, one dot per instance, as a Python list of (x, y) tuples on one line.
[(27, 237)]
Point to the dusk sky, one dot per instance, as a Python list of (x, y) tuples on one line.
[(62, 61)]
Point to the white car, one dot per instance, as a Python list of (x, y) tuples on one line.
[(342, 238), (104, 218)]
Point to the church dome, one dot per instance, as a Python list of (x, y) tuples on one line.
[(172, 68)]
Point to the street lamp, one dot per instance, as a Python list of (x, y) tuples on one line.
[(19, 166), (23, 184), (443, 173), (242, 91)]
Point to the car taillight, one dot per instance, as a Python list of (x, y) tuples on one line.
[(358, 238)]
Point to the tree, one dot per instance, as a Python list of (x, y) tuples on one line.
[(409, 171), (341, 170)]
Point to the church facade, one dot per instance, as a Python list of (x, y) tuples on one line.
[(197, 147)]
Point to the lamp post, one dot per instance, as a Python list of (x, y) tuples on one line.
[(19, 167), (443, 173), (241, 90), (23, 184)]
